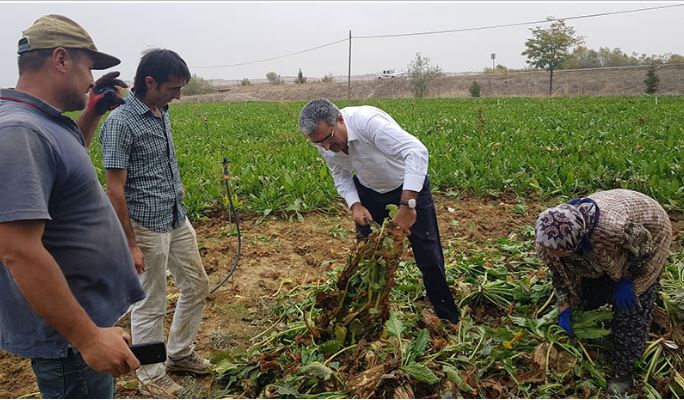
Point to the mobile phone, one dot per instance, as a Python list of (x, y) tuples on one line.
[(149, 353)]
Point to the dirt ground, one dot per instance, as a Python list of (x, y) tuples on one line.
[(277, 254)]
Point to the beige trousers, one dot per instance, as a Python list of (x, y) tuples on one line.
[(176, 250)]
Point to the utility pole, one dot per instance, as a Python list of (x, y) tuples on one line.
[(349, 71), (493, 62)]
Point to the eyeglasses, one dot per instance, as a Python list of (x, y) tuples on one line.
[(325, 139)]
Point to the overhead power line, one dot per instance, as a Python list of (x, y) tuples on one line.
[(277, 57), (477, 28)]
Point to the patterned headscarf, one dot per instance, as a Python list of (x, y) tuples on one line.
[(569, 226), (560, 228)]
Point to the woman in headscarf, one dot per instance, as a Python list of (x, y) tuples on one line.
[(609, 247)]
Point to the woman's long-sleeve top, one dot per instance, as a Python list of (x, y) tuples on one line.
[(631, 240)]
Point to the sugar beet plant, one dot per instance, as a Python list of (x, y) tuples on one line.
[(537, 147), (360, 305), (507, 344)]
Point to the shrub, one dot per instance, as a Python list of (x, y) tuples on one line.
[(421, 73), (651, 81), (197, 85), (273, 78), (474, 89), (300, 77)]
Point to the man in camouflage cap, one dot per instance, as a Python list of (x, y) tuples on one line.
[(66, 275)]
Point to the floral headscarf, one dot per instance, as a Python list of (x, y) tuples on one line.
[(560, 228), (568, 227)]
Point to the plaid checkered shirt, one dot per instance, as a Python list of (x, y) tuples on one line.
[(133, 138)]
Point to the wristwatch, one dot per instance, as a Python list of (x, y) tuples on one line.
[(410, 203)]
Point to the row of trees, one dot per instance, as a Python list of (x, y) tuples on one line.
[(582, 57), (559, 47), (552, 48)]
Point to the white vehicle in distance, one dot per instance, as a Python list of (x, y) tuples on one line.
[(389, 73)]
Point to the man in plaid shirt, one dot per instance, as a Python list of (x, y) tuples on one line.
[(144, 186)]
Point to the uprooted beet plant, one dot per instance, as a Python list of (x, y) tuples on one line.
[(360, 304)]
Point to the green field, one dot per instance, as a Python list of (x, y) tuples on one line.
[(531, 147)]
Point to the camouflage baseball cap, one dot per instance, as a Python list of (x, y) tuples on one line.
[(51, 31)]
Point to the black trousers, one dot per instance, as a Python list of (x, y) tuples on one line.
[(424, 239), (630, 330)]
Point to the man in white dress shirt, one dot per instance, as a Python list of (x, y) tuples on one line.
[(374, 162)]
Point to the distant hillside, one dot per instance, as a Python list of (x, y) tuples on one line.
[(626, 81)]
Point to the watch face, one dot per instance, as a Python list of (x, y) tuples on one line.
[(412, 203)]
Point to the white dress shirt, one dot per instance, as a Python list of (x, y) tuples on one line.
[(381, 154)]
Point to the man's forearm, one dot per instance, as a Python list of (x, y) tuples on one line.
[(45, 288), (118, 201), (87, 123)]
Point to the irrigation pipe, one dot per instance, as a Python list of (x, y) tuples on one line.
[(233, 213), (231, 209)]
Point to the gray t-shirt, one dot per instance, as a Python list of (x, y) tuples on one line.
[(46, 174)]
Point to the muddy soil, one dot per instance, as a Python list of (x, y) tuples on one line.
[(278, 254)]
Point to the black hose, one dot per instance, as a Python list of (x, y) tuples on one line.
[(233, 213)]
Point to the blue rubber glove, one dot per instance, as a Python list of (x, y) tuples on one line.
[(625, 299), (565, 321)]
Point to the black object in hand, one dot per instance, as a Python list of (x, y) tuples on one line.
[(149, 353)]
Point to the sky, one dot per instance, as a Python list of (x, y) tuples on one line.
[(219, 34)]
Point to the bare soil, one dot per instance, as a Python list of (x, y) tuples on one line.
[(278, 254), (570, 83)]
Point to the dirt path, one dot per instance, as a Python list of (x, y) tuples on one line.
[(278, 254)]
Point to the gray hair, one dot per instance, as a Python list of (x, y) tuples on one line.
[(316, 111)]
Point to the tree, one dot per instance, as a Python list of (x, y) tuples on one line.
[(300, 77), (328, 78), (273, 78), (474, 89), (421, 73), (651, 81), (197, 85), (582, 57), (245, 82), (549, 48), (676, 59)]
